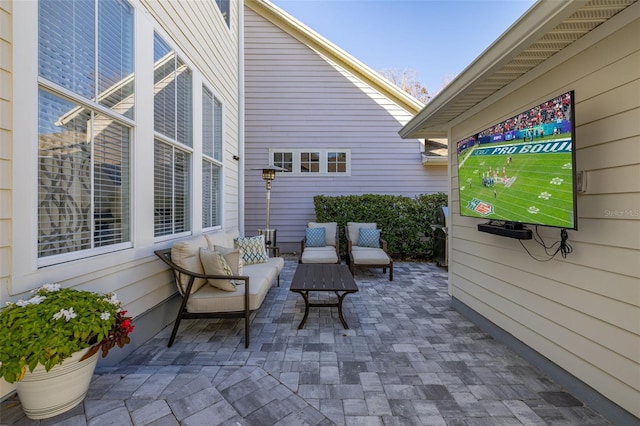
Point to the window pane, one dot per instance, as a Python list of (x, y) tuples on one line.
[(284, 160), (207, 122), (217, 117), (76, 212), (66, 44), (223, 5), (210, 194), (310, 162), (164, 97), (163, 189), (182, 199), (115, 56), (184, 109), (336, 162), (172, 94), (111, 181), (64, 177), (171, 189)]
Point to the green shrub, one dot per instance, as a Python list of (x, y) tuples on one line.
[(405, 222)]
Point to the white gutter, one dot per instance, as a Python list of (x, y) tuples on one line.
[(241, 108)]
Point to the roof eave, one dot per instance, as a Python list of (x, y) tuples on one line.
[(543, 16)]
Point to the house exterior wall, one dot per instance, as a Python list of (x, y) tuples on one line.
[(582, 312), (298, 99), (6, 97), (197, 31)]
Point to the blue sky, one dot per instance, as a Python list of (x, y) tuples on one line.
[(437, 38)]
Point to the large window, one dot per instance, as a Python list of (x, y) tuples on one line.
[(224, 7), (173, 124), (85, 103), (313, 162), (211, 161)]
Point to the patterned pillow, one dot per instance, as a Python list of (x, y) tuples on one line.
[(315, 237), (233, 257), (214, 263), (253, 249), (369, 238)]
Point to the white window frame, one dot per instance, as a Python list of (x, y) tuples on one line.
[(297, 164)]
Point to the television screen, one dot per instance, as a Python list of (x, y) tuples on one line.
[(522, 169)]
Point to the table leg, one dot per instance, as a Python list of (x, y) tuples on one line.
[(305, 296), (340, 299)]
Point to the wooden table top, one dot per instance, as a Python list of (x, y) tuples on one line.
[(323, 277)]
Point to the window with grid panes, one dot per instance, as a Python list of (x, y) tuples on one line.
[(85, 107), (172, 154), (312, 162)]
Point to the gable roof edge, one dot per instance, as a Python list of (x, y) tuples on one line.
[(318, 43)]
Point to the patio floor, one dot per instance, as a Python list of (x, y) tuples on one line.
[(408, 359)]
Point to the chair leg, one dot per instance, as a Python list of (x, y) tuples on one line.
[(391, 270), (176, 324)]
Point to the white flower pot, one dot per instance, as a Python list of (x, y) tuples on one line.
[(45, 394)]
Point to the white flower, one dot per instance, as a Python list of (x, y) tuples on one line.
[(22, 303), (113, 300), (68, 314), (105, 316), (35, 300), (51, 287)]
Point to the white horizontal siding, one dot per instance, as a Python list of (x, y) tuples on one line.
[(582, 312), (297, 99)]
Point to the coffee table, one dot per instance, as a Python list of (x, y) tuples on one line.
[(323, 277)]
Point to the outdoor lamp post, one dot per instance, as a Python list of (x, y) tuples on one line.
[(269, 174)]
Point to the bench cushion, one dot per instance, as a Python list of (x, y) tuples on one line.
[(186, 254), (261, 277)]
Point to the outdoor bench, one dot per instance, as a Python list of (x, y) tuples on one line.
[(201, 299)]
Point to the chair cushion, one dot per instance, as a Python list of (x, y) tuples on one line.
[(353, 229), (215, 263), (369, 256), (369, 238), (186, 254), (253, 249), (315, 237), (331, 231), (326, 254)]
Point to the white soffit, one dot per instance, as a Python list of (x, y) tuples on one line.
[(545, 29)]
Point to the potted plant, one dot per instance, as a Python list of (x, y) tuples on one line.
[(55, 332)]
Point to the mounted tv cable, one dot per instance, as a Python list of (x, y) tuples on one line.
[(562, 246)]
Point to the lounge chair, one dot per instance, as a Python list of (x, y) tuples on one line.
[(365, 248), (320, 244)]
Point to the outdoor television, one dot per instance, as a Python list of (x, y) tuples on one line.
[(522, 170)]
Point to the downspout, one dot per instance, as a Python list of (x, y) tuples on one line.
[(241, 109)]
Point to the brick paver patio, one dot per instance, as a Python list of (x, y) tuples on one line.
[(408, 359)]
